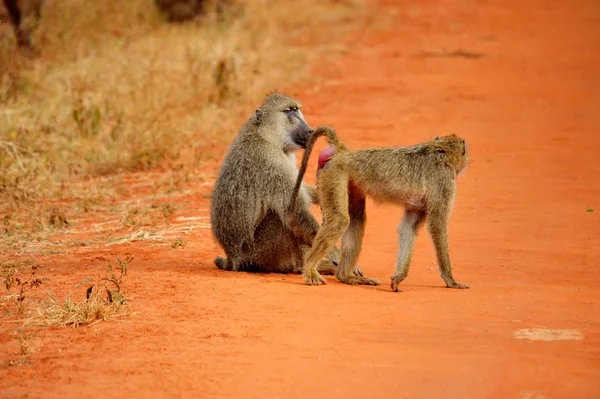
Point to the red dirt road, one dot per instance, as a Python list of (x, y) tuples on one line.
[(520, 81)]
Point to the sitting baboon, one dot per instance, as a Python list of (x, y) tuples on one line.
[(252, 191), (420, 177), (24, 16)]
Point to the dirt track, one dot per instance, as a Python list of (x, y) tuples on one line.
[(521, 82)]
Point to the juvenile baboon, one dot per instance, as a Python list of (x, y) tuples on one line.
[(420, 177), (24, 15), (252, 192)]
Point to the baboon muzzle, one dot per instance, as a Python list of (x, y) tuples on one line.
[(303, 133)]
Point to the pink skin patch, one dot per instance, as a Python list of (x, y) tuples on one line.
[(325, 156)]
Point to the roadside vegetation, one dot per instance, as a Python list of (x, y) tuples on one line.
[(116, 90)]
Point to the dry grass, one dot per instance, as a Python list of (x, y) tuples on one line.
[(104, 300), (18, 283), (152, 215), (116, 89), (52, 312)]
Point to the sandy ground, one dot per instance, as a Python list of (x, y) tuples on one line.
[(520, 82)]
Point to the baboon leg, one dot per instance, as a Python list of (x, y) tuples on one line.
[(407, 233), (329, 265), (326, 267), (352, 241), (274, 249), (438, 228), (334, 204)]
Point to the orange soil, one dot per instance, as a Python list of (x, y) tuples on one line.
[(526, 96)]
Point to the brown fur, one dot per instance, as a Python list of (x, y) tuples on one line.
[(420, 177)]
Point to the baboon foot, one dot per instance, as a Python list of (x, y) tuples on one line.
[(358, 280), (454, 284), (335, 255), (396, 280), (312, 277), (329, 265), (327, 268)]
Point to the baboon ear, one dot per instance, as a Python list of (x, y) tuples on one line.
[(258, 116)]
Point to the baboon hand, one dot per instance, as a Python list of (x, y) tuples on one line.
[(357, 271), (312, 277), (454, 284)]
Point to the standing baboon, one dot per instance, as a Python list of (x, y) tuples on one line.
[(24, 15), (253, 189), (421, 177)]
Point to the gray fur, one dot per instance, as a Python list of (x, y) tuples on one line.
[(253, 189)]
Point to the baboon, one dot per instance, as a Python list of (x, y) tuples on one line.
[(252, 191), (24, 16), (183, 10), (421, 177)]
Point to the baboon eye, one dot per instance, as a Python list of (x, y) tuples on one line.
[(291, 109)]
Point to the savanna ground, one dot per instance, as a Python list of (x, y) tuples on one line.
[(111, 138)]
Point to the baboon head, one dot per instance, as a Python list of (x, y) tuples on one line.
[(454, 150), (280, 118)]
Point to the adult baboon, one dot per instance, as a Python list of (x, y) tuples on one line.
[(420, 177), (253, 189), (24, 15)]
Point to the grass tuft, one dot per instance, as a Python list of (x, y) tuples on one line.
[(104, 300)]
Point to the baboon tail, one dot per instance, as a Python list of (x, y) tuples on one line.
[(332, 138), (222, 263), (333, 141)]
